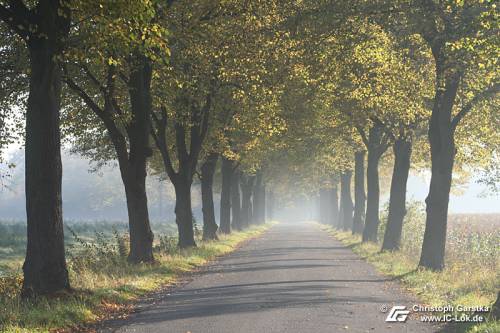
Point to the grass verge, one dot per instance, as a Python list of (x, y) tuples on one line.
[(108, 291), (460, 283)]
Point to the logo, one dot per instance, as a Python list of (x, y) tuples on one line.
[(397, 313)]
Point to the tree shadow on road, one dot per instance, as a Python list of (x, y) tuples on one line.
[(241, 298)]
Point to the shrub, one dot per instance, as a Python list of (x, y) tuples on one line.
[(97, 254), (167, 244)]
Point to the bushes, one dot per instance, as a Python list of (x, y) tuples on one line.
[(99, 254), (167, 244)]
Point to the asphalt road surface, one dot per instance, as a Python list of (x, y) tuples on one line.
[(294, 278)]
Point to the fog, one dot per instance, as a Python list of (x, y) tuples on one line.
[(90, 195)]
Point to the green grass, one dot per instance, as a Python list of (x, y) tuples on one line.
[(107, 286), (471, 276)]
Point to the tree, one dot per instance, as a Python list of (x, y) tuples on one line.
[(259, 199), (397, 202), (346, 200), (462, 40), (111, 73), (236, 206), (44, 29), (246, 185), (225, 197), (334, 204), (376, 145), (203, 74), (207, 178), (359, 192), (379, 68)]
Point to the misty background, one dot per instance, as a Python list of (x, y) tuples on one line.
[(90, 195)]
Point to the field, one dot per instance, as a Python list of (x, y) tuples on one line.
[(471, 276), (13, 238), (104, 283)]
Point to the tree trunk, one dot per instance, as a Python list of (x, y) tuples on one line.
[(442, 143), (235, 200), (334, 206), (270, 206), (225, 196), (375, 151), (44, 268), (262, 209), (141, 236), (207, 178), (324, 206), (246, 200), (259, 198), (183, 212), (359, 193), (138, 130), (256, 199), (397, 200), (346, 200)]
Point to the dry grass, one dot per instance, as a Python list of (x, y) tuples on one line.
[(106, 286), (472, 273)]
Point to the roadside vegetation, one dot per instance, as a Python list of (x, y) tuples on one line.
[(105, 283), (471, 276), (260, 101)]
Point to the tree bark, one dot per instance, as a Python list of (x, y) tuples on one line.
[(346, 200), (324, 206), (44, 268), (183, 212), (259, 199), (334, 205), (141, 236), (207, 178), (246, 200), (262, 210), (442, 143), (256, 199), (397, 199), (225, 196), (359, 192), (235, 200), (375, 151)]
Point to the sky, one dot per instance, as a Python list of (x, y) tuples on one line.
[(471, 201)]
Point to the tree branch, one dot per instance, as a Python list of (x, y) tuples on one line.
[(159, 136), (488, 93), (386, 129), (94, 79), (115, 134), (180, 142), (362, 134), (205, 117), (81, 93)]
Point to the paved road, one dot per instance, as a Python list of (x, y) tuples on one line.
[(294, 278)]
